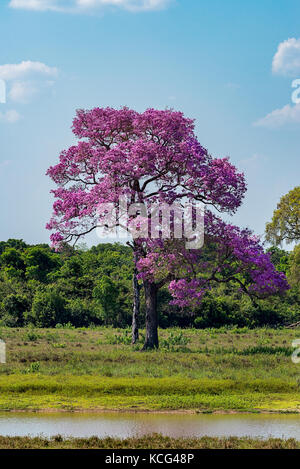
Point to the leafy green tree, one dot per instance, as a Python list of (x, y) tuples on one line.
[(12, 263), (114, 301), (219, 311), (82, 312), (294, 273), (48, 307), (73, 279), (285, 224), (73, 267), (13, 308), (106, 293), (40, 262), (280, 258), (18, 244)]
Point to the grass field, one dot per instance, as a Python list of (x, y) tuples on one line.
[(146, 442), (198, 370)]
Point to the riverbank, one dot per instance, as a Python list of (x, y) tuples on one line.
[(212, 370), (38, 392), (147, 442)]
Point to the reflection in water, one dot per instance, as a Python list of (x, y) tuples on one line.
[(123, 425)]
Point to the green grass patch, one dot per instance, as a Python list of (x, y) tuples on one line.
[(76, 392), (210, 369)]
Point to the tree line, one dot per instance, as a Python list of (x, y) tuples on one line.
[(84, 286)]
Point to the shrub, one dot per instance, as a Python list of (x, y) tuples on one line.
[(31, 336), (48, 308), (174, 339)]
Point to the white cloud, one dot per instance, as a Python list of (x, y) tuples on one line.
[(280, 117), (77, 6), (26, 79), (38, 5), (286, 61), (25, 68), (10, 116), (22, 91)]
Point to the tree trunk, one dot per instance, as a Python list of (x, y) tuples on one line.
[(151, 339), (136, 303)]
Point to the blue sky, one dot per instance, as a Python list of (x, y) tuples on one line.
[(228, 64)]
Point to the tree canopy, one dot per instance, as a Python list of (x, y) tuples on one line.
[(285, 224)]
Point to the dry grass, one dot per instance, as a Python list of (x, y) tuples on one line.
[(213, 353), (146, 442)]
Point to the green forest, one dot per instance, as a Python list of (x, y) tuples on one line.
[(84, 287)]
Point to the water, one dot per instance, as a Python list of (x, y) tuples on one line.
[(122, 425)]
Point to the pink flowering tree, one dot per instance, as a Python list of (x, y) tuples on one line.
[(150, 158), (237, 256)]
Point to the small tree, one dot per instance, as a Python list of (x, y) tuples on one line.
[(14, 306), (294, 272), (40, 262), (13, 263), (285, 224), (106, 293), (154, 157), (48, 308)]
